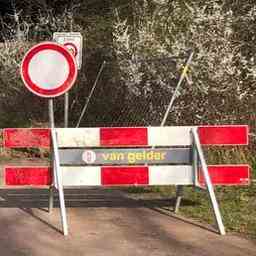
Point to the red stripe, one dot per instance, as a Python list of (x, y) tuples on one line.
[(224, 135), (33, 175), (137, 175), (21, 138), (124, 136), (227, 175)]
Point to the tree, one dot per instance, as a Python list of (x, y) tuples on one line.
[(222, 75)]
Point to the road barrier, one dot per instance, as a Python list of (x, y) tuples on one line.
[(133, 156)]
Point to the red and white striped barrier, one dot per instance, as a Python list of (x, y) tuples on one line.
[(233, 175), (126, 137), (134, 156), (133, 136)]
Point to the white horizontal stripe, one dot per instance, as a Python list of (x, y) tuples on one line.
[(170, 175), (78, 137), (169, 136), (81, 176), (158, 175)]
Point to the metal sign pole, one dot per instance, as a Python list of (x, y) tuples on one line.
[(51, 189), (66, 108), (51, 113), (73, 41)]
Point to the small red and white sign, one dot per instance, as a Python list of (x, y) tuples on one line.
[(73, 41), (48, 70), (72, 48)]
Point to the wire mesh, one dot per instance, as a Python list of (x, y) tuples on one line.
[(113, 103)]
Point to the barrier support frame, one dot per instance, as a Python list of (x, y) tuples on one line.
[(208, 182), (59, 183)]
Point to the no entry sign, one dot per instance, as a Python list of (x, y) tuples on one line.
[(48, 70)]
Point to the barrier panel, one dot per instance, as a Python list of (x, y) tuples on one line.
[(134, 156)]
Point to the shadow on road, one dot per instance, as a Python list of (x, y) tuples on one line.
[(26, 199), (98, 197)]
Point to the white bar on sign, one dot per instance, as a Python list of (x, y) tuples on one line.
[(81, 176), (78, 137), (171, 175), (169, 136)]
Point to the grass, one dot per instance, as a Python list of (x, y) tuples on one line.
[(237, 204)]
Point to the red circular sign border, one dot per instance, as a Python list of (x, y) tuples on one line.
[(31, 86), (72, 45)]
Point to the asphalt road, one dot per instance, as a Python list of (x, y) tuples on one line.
[(104, 222)]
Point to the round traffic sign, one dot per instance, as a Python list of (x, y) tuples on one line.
[(48, 70), (72, 48)]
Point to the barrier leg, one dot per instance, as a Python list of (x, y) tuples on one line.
[(179, 194), (208, 183), (59, 184)]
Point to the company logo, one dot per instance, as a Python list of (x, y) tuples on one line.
[(89, 156)]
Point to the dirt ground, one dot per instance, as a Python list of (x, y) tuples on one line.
[(105, 222)]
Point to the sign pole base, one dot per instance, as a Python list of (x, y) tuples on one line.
[(51, 199)]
